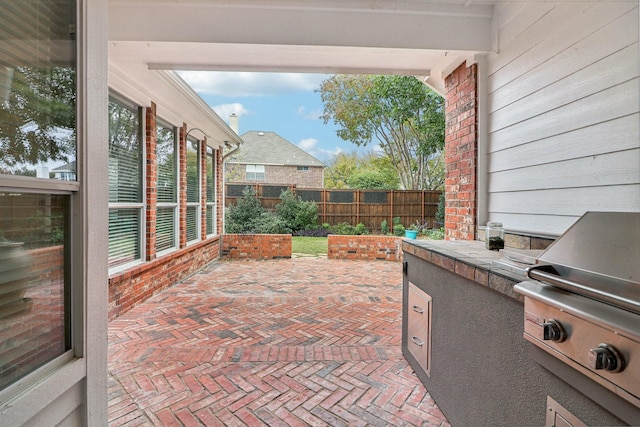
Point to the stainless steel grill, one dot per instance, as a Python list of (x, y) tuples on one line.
[(583, 306)]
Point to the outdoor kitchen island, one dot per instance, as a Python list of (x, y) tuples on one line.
[(463, 335)]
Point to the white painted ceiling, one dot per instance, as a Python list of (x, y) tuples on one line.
[(425, 38)]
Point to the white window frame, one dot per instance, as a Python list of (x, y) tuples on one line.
[(140, 207), (254, 170), (198, 204), (175, 205)]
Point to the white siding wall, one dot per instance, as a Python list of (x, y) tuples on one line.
[(564, 113)]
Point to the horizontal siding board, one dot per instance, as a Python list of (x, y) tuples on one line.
[(546, 64), (520, 33), (618, 134), (528, 223), (561, 202), (619, 168), (596, 108), (609, 71), (564, 115)]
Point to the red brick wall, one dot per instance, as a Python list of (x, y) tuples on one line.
[(203, 188), (461, 109), (151, 140), (365, 248), (286, 175), (256, 246), (182, 196), (219, 192), (130, 287)]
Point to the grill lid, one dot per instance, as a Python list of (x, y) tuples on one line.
[(599, 257)]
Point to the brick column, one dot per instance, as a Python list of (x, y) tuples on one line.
[(203, 189), (182, 198), (461, 151), (219, 191), (151, 139)]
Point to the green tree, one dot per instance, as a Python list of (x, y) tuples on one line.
[(368, 180), (368, 171), (399, 113), (339, 169), (38, 117)]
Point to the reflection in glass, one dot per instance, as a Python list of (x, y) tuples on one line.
[(38, 89), (33, 284)]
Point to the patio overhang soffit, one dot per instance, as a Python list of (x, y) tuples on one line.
[(424, 38)]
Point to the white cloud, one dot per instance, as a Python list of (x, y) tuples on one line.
[(242, 84), (310, 145), (225, 110), (378, 149), (310, 115)]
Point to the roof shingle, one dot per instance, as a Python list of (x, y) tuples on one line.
[(270, 148)]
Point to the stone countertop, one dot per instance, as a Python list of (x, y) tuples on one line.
[(470, 259)]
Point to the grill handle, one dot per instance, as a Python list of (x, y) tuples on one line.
[(547, 273)]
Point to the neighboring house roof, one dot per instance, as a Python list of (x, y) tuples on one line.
[(69, 167), (269, 148)]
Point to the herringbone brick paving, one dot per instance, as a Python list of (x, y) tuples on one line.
[(296, 342)]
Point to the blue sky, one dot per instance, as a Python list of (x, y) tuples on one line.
[(284, 103)]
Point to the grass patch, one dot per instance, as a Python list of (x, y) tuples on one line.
[(309, 245)]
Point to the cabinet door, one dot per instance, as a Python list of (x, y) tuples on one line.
[(419, 327)]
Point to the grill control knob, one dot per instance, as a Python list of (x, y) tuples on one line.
[(553, 331), (606, 357)]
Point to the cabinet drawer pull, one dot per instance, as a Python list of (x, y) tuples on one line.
[(418, 309), (417, 341)]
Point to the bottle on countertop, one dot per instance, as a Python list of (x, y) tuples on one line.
[(494, 236)]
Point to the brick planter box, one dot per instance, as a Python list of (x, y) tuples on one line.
[(256, 246), (365, 248), (130, 287)]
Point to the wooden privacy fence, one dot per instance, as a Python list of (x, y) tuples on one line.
[(369, 207)]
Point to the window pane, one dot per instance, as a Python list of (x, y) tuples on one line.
[(211, 178), (34, 288), (210, 229), (166, 157), (193, 171), (124, 236), (192, 223), (165, 229), (259, 172), (125, 154), (37, 89)]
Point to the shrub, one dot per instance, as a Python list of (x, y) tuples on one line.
[(347, 229), (268, 223), (436, 234), (360, 229), (384, 227), (343, 228), (398, 228), (242, 217), (318, 232), (297, 214)]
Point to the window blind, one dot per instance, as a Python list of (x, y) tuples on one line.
[(124, 236), (165, 228), (193, 171), (125, 155), (166, 158)]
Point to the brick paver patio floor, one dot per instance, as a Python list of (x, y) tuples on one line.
[(305, 341)]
